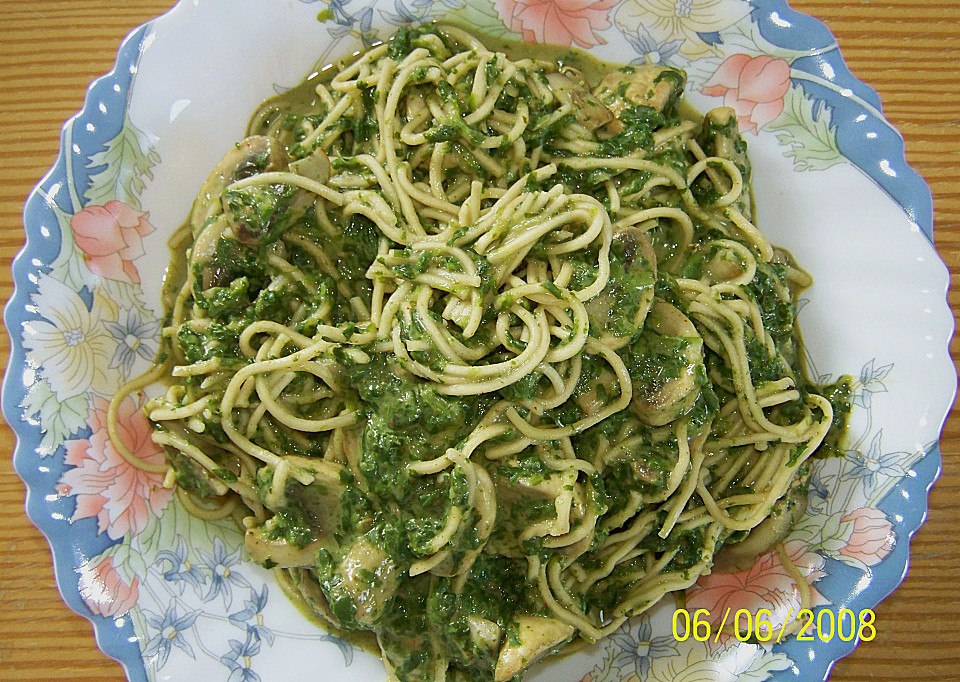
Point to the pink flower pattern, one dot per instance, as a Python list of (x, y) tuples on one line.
[(872, 537), (111, 238), (104, 591), (558, 22), (754, 87), (121, 497), (765, 585)]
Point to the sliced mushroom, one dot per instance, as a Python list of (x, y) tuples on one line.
[(589, 111), (404, 649), (320, 503), (205, 248), (308, 588), (596, 395), (273, 553), (720, 136), (522, 501), (723, 265), (536, 637), (255, 211), (607, 310), (658, 87), (354, 593), (368, 576), (255, 154), (663, 401), (484, 633), (316, 166), (321, 498), (205, 245)]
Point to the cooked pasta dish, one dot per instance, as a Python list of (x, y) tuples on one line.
[(485, 352)]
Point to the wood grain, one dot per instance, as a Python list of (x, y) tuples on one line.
[(907, 50)]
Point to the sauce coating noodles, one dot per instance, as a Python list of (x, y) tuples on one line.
[(484, 357)]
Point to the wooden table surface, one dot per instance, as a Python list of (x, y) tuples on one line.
[(908, 50)]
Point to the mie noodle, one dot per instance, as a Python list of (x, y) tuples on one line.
[(482, 356)]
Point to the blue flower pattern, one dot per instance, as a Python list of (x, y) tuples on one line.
[(634, 649), (214, 574), (169, 632), (181, 570), (253, 610), (650, 50), (871, 383), (345, 23), (134, 334), (222, 577), (238, 659), (874, 466)]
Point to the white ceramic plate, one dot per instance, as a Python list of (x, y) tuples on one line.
[(174, 599)]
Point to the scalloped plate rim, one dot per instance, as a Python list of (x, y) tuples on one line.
[(13, 385)]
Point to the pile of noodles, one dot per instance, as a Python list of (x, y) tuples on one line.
[(512, 217)]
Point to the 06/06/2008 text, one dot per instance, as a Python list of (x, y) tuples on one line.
[(808, 625)]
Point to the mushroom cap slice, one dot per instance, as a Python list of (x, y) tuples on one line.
[(536, 637), (252, 155), (651, 85), (589, 111), (618, 312), (675, 389)]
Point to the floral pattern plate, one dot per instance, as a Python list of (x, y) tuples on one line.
[(172, 598)]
